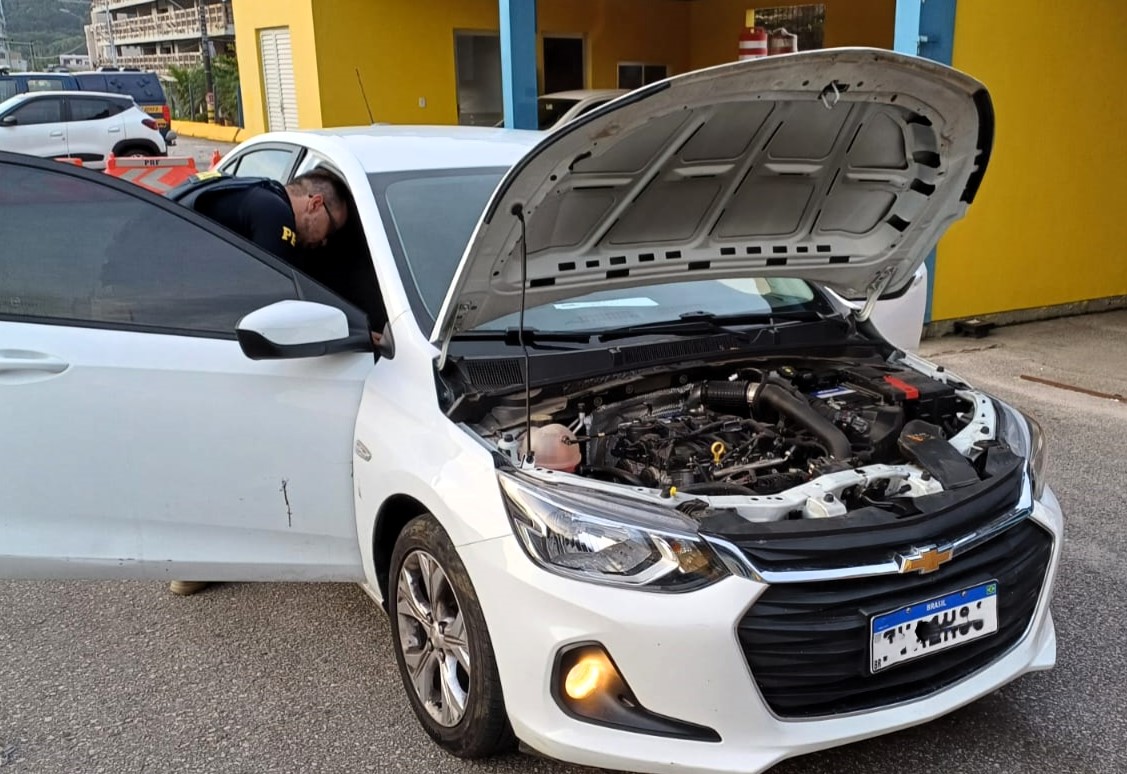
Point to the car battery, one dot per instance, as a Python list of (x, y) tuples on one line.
[(921, 396)]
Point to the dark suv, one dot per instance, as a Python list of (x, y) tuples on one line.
[(144, 87)]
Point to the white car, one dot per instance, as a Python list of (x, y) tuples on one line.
[(747, 527), (556, 109), (82, 125)]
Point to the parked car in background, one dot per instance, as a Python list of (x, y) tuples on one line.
[(556, 109), (144, 87), (634, 486), (78, 124)]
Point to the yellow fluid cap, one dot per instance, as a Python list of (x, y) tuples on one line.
[(718, 450)]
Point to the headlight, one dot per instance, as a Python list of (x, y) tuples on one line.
[(601, 539), (1023, 435)]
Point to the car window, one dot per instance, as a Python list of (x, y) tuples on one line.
[(551, 110), (92, 109), (122, 261), (268, 162), (311, 161), (8, 89), (92, 82), (46, 84), (39, 111), (427, 248), (143, 87)]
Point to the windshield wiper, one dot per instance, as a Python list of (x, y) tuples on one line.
[(532, 337), (703, 323)]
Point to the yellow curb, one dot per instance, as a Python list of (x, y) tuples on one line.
[(213, 132)]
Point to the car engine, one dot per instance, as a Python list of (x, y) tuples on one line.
[(759, 432)]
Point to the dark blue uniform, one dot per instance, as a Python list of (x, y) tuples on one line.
[(256, 208)]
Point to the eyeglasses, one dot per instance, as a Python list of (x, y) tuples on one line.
[(329, 215), (332, 220)]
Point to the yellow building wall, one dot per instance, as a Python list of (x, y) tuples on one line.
[(250, 17), (1045, 226), (406, 56), (716, 24)]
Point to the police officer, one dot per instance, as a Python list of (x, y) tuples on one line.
[(279, 218)]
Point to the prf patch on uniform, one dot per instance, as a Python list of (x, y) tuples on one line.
[(289, 236)]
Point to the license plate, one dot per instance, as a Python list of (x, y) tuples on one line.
[(933, 625)]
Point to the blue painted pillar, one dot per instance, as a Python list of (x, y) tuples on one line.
[(518, 62), (926, 28)]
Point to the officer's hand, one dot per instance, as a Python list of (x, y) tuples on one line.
[(376, 339)]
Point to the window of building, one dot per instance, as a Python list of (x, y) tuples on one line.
[(808, 22), (634, 75)]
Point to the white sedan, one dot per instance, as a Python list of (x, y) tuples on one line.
[(633, 484)]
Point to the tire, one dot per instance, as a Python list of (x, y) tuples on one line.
[(136, 150), (461, 709)]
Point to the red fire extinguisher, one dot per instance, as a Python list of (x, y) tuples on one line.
[(753, 40), (781, 42)]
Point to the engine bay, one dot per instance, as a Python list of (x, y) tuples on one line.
[(807, 439)]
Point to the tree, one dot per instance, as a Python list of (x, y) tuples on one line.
[(189, 91)]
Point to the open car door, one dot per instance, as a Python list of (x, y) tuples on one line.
[(136, 438)]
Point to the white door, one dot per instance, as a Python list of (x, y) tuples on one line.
[(137, 440), (278, 79), (35, 127), (95, 127)]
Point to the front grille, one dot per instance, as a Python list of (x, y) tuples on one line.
[(808, 643)]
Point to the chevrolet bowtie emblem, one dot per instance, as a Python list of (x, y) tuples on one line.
[(924, 560)]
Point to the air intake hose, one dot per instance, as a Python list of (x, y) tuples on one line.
[(779, 400)]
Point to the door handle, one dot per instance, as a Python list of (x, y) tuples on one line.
[(15, 361), (115, 130), (56, 134)]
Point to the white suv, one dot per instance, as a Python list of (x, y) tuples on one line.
[(78, 124)]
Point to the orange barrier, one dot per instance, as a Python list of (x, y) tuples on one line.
[(158, 173), (69, 160)]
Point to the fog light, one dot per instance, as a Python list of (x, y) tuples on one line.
[(588, 686), (584, 678)]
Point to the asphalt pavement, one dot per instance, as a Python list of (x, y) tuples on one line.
[(124, 677), (200, 150)]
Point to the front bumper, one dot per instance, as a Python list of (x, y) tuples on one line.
[(681, 655)]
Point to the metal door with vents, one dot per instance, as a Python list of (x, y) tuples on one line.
[(277, 79)]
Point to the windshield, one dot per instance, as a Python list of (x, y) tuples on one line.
[(550, 110), (429, 217), (669, 301)]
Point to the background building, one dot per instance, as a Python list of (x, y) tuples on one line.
[(156, 34), (6, 62)]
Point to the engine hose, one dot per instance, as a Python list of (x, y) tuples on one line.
[(718, 488), (727, 397), (779, 400), (622, 475)]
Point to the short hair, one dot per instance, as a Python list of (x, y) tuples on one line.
[(322, 181)]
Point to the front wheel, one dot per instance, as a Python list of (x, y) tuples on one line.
[(443, 649)]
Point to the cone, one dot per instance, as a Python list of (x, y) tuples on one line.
[(215, 158)]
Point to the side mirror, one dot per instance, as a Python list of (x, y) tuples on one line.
[(9, 121), (294, 329), (386, 347)]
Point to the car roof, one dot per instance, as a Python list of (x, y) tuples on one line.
[(386, 148), (70, 93), (584, 93)]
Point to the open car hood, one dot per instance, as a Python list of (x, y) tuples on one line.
[(841, 166)]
